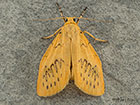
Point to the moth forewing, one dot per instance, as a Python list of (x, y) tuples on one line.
[(88, 75), (54, 71)]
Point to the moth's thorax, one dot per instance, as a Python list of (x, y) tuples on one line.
[(71, 30)]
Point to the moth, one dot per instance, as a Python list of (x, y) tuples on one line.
[(70, 56)]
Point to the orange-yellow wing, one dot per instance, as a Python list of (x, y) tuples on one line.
[(87, 67), (54, 70)]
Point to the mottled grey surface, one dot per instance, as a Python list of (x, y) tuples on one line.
[(21, 50)]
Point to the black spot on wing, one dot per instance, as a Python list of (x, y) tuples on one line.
[(58, 79), (97, 83), (47, 87), (51, 70), (86, 82), (58, 45), (43, 84), (56, 65), (83, 63), (50, 85), (83, 45), (54, 83), (81, 74), (84, 79), (93, 86), (94, 78), (90, 84)]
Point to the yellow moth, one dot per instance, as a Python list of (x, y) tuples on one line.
[(70, 56)]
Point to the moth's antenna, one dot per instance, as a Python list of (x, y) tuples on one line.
[(92, 19), (47, 19), (81, 15), (61, 13)]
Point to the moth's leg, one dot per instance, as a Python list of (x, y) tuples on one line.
[(47, 37), (95, 38)]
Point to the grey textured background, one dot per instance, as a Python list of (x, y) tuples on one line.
[(21, 50)]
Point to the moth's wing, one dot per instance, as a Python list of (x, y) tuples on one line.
[(88, 75), (54, 70)]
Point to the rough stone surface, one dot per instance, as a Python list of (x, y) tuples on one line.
[(21, 50)]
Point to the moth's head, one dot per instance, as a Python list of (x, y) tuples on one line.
[(70, 20)]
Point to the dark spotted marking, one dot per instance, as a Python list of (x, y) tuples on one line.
[(51, 69), (54, 66), (46, 72), (45, 66), (81, 74), (61, 60), (83, 78), (49, 75), (52, 75), (70, 38), (92, 74), (60, 32), (46, 80), (90, 84), (80, 60), (93, 86), (58, 79), (47, 87), (88, 65), (61, 74), (93, 70), (87, 82), (50, 85), (43, 76), (97, 75), (98, 83), (95, 78), (83, 63), (56, 62), (85, 68), (54, 83), (43, 84)]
